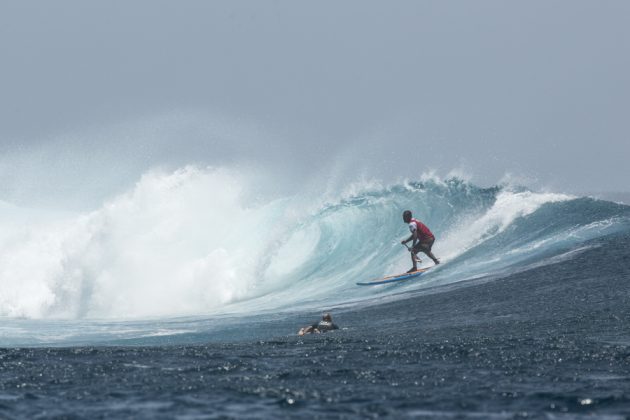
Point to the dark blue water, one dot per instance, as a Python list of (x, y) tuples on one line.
[(548, 342)]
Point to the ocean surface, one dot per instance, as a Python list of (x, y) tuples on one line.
[(165, 303)]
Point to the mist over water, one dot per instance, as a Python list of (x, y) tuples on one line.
[(173, 244)]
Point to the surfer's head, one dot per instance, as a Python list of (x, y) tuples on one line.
[(407, 216), (327, 317)]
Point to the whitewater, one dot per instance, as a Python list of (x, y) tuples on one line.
[(182, 249)]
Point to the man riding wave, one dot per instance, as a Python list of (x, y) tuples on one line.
[(422, 239)]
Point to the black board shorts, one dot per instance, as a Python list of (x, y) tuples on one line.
[(425, 245)]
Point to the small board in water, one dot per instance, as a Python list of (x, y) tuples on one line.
[(393, 279)]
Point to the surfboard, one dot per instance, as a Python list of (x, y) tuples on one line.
[(393, 279)]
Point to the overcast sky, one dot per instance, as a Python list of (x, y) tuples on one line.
[(99, 91)]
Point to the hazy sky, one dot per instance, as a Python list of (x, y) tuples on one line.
[(93, 93)]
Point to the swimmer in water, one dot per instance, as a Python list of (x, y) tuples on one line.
[(325, 325)]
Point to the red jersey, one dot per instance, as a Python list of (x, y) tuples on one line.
[(423, 231)]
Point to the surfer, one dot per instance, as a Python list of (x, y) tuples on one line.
[(422, 239), (326, 324)]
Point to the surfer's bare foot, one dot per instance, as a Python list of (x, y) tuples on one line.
[(412, 270), (436, 261)]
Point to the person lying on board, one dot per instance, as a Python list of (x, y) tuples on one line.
[(326, 324), (422, 239)]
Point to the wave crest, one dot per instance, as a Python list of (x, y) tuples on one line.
[(188, 242)]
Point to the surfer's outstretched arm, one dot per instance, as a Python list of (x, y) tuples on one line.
[(413, 237), (306, 330)]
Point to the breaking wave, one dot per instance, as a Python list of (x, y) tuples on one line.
[(190, 243)]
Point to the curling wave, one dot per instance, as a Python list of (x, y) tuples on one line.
[(188, 242)]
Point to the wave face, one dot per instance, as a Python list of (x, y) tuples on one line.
[(189, 243)]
